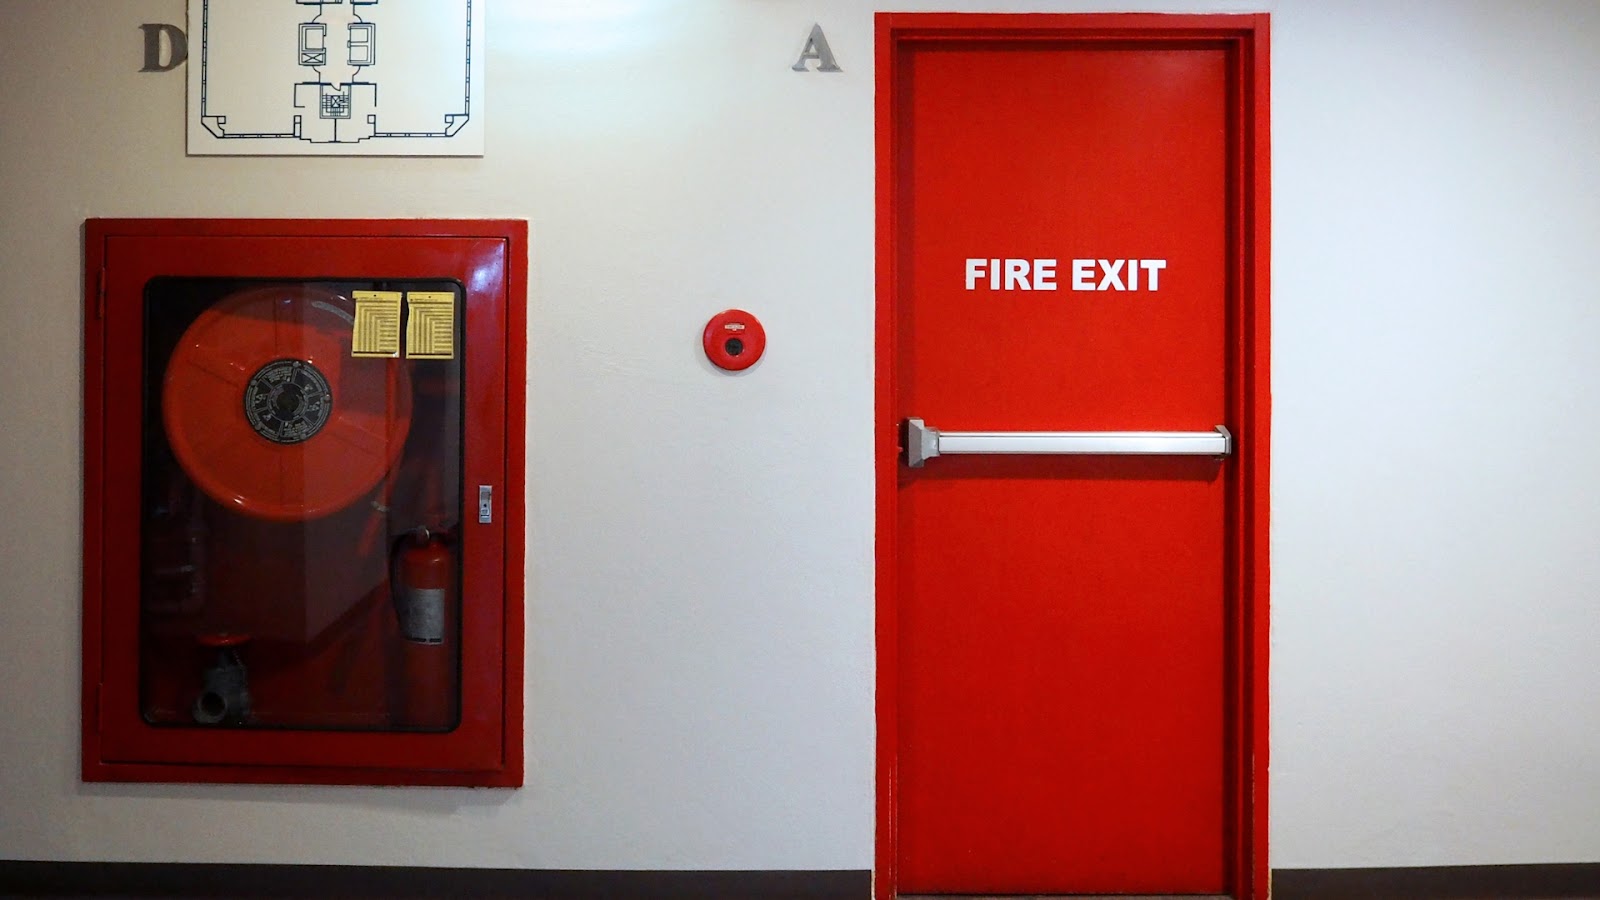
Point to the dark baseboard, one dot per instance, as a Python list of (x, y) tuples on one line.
[(260, 882), (125, 881), (1570, 881)]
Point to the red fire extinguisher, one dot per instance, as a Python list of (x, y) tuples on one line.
[(423, 589)]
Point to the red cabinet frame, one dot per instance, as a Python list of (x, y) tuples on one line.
[(488, 259)]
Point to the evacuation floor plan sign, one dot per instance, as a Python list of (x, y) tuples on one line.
[(336, 77)]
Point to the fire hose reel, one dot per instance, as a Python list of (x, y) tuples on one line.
[(267, 411)]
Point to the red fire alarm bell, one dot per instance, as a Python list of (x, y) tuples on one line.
[(303, 523), (734, 340)]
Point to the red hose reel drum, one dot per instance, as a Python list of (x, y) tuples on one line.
[(267, 411)]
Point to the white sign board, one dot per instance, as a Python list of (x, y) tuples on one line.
[(336, 77)]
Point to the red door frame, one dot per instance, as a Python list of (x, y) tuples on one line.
[(1245, 37)]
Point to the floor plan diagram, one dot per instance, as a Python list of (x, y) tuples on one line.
[(336, 77)]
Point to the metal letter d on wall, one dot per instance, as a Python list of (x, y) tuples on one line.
[(152, 47)]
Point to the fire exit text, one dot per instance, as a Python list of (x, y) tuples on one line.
[(1008, 274)]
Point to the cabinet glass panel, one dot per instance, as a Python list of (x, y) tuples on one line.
[(300, 534)]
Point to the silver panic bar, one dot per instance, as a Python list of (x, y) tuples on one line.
[(924, 443)]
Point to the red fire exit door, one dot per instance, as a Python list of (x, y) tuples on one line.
[(1072, 454)]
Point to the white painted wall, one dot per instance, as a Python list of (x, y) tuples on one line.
[(700, 664), (1436, 489)]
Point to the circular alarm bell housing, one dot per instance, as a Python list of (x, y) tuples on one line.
[(270, 415), (734, 340)]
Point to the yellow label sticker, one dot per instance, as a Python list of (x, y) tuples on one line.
[(431, 331), (377, 326)]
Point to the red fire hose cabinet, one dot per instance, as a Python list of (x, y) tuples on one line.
[(303, 519)]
